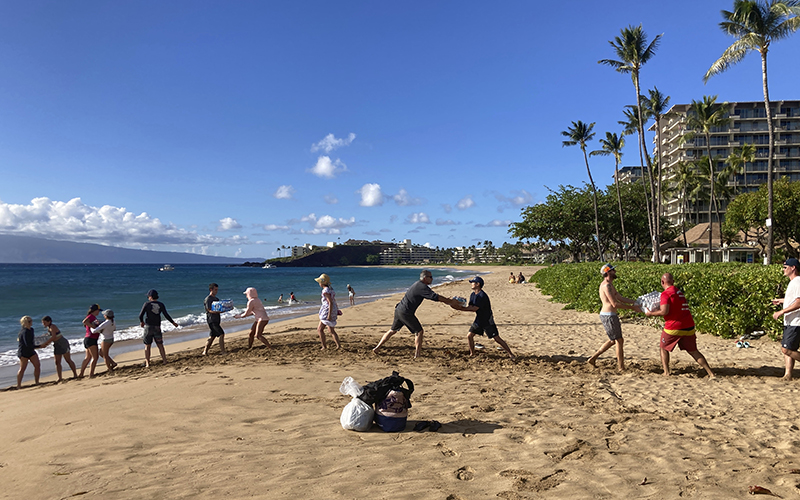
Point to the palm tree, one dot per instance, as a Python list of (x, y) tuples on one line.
[(579, 134), (633, 51), (755, 25), (613, 145), (656, 105), (738, 161), (630, 126), (684, 181), (701, 118)]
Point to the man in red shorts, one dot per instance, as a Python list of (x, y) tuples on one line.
[(678, 325)]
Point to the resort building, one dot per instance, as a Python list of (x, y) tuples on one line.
[(404, 252), (748, 125), (628, 175)]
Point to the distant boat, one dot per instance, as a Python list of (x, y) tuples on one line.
[(268, 266), (166, 267)]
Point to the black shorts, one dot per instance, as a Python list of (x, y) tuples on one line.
[(408, 320), (61, 346), (791, 337), (151, 333), (26, 352), (490, 330), (89, 342), (216, 330)]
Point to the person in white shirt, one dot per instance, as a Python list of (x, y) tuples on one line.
[(791, 316), (106, 330)]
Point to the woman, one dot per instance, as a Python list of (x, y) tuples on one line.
[(106, 330), (60, 347), (328, 311), (27, 351), (256, 308), (512, 279), (351, 294), (90, 340)]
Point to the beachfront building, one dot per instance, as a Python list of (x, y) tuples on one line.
[(748, 125), (303, 250), (628, 175), (405, 252)]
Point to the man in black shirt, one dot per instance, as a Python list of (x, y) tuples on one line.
[(484, 319), (150, 319), (404, 311), (214, 320)]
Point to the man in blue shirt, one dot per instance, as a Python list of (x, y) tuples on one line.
[(484, 319)]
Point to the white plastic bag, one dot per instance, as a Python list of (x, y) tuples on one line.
[(357, 415)]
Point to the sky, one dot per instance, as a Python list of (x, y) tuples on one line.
[(235, 128)]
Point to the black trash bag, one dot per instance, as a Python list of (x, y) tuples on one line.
[(375, 392)]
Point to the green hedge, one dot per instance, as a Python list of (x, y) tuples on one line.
[(727, 300)]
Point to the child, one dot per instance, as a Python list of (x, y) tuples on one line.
[(256, 308)]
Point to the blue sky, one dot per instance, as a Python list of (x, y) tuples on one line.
[(232, 128)]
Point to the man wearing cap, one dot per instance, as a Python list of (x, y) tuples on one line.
[(214, 320), (484, 319), (150, 319), (791, 316), (404, 311), (612, 300), (678, 325)]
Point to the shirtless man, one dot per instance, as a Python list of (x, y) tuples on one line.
[(612, 301)]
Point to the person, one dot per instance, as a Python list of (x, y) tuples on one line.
[(292, 300), (60, 347), (280, 299), (150, 320), (512, 279), (404, 311), (26, 352), (520, 278), (256, 308), (90, 340), (351, 294), (328, 311), (678, 325), (214, 320), (791, 316), (484, 319), (106, 331), (612, 300)]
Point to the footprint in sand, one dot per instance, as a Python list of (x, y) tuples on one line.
[(465, 473)]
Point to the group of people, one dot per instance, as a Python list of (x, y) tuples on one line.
[(514, 279)]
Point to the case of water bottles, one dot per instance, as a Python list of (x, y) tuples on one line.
[(222, 305)]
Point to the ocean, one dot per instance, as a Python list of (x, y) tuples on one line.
[(65, 291)]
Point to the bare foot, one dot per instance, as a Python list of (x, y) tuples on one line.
[(787, 377), (204, 353), (665, 374), (223, 352), (592, 362), (375, 351), (513, 358)]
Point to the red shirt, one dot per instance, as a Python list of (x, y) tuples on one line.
[(679, 317)]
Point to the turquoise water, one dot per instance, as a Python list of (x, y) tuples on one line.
[(65, 292)]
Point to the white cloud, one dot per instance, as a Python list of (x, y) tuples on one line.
[(326, 224), (518, 199), (371, 195), (445, 222), (75, 221), (275, 227), (418, 218), (284, 192), (403, 199), (447, 208), (228, 224), (465, 203), (329, 143), (495, 223), (330, 199), (327, 168)]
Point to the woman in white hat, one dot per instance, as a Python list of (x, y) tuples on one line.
[(328, 311), (256, 308)]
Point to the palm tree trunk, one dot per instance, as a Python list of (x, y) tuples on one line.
[(770, 241), (683, 216), (658, 180), (711, 198), (653, 234), (619, 202), (594, 202)]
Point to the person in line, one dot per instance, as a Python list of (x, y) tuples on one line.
[(90, 340), (678, 325), (106, 331), (256, 308), (404, 311), (791, 316), (61, 347), (214, 320), (26, 352), (484, 319), (511, 278), (351, 294), (150, 320), (328, 311), (612, 300)]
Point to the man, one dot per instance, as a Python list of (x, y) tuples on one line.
[(213, 319), (612, 300), (405, 309), (678, 325), (150, 320), (484, 319), (791, 316)]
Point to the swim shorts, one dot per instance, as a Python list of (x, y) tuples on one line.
[(791, 337), (89, 342), (687, 343), (61, 346), (151, 333), (216, 330), (612, 325), (490, 330), (408, 320), (26, 352)]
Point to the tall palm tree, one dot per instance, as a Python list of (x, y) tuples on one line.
[(656, 105), (613, 145), (755, 25), (579, 134), (630, 126), (738, 161), (633, 51), (684, 181), (702, 117)]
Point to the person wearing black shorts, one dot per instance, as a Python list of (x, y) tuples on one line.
[(150, 320), (404, 311), (790, 310), (484, 319), (214, 321)]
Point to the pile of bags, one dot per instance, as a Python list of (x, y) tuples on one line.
[(390, 399)]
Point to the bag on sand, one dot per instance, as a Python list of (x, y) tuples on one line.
[(357, 415), (391, 400)]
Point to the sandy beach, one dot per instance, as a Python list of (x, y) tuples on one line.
[(265, 423)]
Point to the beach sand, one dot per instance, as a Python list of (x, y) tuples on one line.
[(265, 423)]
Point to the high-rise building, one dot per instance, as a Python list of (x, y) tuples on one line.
[(748, 125)]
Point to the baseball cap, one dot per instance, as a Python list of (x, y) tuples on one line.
[(606, 268), (791, 261), (477, 279)]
